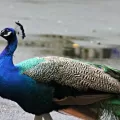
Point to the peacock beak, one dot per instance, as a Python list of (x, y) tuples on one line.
[(1, 34), (5, 34)]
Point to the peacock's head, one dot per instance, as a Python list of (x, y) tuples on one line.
[(9, 33)]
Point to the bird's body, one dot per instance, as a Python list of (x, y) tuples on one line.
[(66, 94), (40, 85)]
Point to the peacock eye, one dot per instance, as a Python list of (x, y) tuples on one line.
[(7, 32)]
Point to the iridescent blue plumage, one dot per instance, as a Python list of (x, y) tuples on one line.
[(31, 96)]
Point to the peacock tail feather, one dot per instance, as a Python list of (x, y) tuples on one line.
[(107, 109), (110, 108)]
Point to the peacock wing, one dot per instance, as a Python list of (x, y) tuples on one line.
[(74, 74), (29, 64), (32, 62), (115, 73), (82, 99)]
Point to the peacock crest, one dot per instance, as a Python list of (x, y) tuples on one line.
[(19, 29)]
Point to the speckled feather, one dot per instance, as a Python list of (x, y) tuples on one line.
[(73, 73), (28, 64)]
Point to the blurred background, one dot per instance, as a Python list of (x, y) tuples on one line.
[(79, 29)]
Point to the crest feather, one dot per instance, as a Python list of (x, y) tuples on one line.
[(20, 30)]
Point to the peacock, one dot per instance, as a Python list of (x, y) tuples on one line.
[(42, 84)]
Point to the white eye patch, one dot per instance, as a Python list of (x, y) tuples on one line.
[(7, 34)]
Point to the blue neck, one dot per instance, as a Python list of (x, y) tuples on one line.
[(11, 47), (6, 57), (7, 66)]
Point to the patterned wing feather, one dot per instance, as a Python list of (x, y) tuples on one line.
[(28, 64), (73, 73)]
